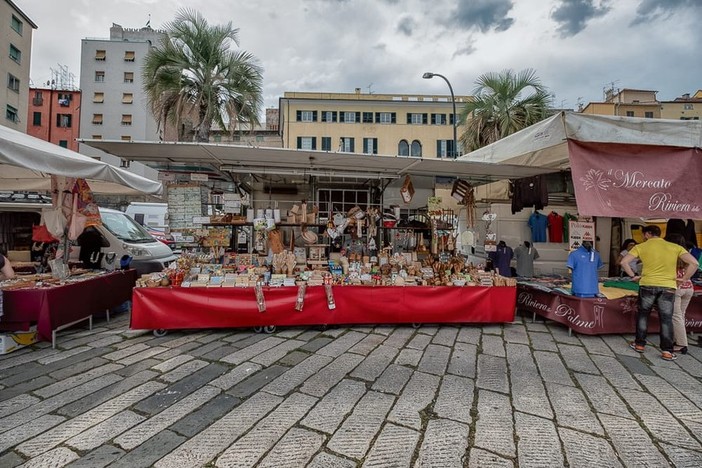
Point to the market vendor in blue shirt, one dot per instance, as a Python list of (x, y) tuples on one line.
[(584, 263)]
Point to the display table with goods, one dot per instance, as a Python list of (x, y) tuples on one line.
[(245, 291), (614, 311), (52, 304)]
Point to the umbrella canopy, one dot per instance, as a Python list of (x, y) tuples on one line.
[(26, 163)]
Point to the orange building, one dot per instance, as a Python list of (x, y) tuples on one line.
[(54, 116)]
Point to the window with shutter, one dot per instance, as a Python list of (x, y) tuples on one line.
[(126, 119), (97, 119), (326, 144), (129, 56), (127, 98), (99, 98), (100, 55)]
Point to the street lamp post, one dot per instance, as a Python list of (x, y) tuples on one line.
[(430, 75)]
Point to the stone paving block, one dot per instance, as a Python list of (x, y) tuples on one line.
[(342, 344), (572, 409), (393, 379), (204, 446), (328, 414), (29, 367), (516, 333), (542, 341), (492, 329), (362, 328), (250, 339), (152, 450), (51, 404), (374, 364), (207, 348), (56, 370), (125, 352), (602, 396), (367, 344), (428, 329), (106, 430), (236, 375), (173, 413), (585, 451), (119, 387), (492, 373), (480, 458), (294, 450), (250, 448), (68, 353), (399, 337), (354, 436), (538, 444), (255, 349), (672, 399), (29, 429), (409, 357), (494, 429), (137, 367), (210, 412), (286, 382), (325, 460), (11, 460), (105, 341), (658, 420), (551, 368), (173, 362), (24, 356), (98, 458), (394, 446), (455, 399), (417, 396), (278, 352), (419, 342), (684, 383), (180, 339), (444, 445), (463, 359), (81, 367), (493, 345), (213, 335), (560, 334), (384, 329), (289, 333), (308, 335), (184, 370), (57, 457), (70, 382), (616, 373), (257, 381), (17, 403), (577, 359), (317, 343), (538, 325), (596, 345), (334, 332), (293, 358), (434, 360), (681, 457), (635, 365), (446, 336), (169, 395), (219, 353), (75, 426), (529, 394), (632, 444), (618, 344), (320, 383), (691, 366)]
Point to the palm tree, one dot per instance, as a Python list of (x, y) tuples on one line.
[(193, 73), (501, 106)]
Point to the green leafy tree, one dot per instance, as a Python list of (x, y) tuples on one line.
[(504, 103), (194, 74)]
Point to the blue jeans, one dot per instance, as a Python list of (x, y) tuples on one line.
[(663, 298)]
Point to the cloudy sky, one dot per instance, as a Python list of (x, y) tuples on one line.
[(577, 47)]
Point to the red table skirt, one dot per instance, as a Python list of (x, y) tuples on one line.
[(181, 308), (52, 307), (596, 316)]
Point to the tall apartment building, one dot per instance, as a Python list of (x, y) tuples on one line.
[(54, 116), (114, 105), (16, 41), (385, 124), (685, 107), (627, 103)]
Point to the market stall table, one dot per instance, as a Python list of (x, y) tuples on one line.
[(53, 308), (596, 316), (193, 308)]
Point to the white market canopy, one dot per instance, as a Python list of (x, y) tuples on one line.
[(166, 156), (27, 163), (545, 143)]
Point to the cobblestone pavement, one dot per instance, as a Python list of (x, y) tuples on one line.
[(522, 394)]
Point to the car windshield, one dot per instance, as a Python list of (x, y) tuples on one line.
[(125, 228)]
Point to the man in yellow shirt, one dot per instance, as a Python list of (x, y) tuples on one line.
[(657, 285)]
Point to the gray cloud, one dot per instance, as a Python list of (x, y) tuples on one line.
[(573, 15), (651, 10), (406, 25), (467, 49), (484, 15)]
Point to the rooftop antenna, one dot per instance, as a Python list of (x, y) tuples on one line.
[(148, 22), (369, 88)]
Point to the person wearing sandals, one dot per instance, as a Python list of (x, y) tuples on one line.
[(658, 284), (683, 295)]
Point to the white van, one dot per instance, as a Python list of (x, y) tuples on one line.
[(127, 237), (150, 215)]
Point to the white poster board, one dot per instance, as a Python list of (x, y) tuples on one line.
[(579, 231)]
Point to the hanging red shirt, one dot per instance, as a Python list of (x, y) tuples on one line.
[(555, 227)]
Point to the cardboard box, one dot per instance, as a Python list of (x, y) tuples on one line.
[(11, 341)]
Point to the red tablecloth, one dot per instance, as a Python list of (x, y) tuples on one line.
[(596, 316), (54, 306), (179, 308)]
